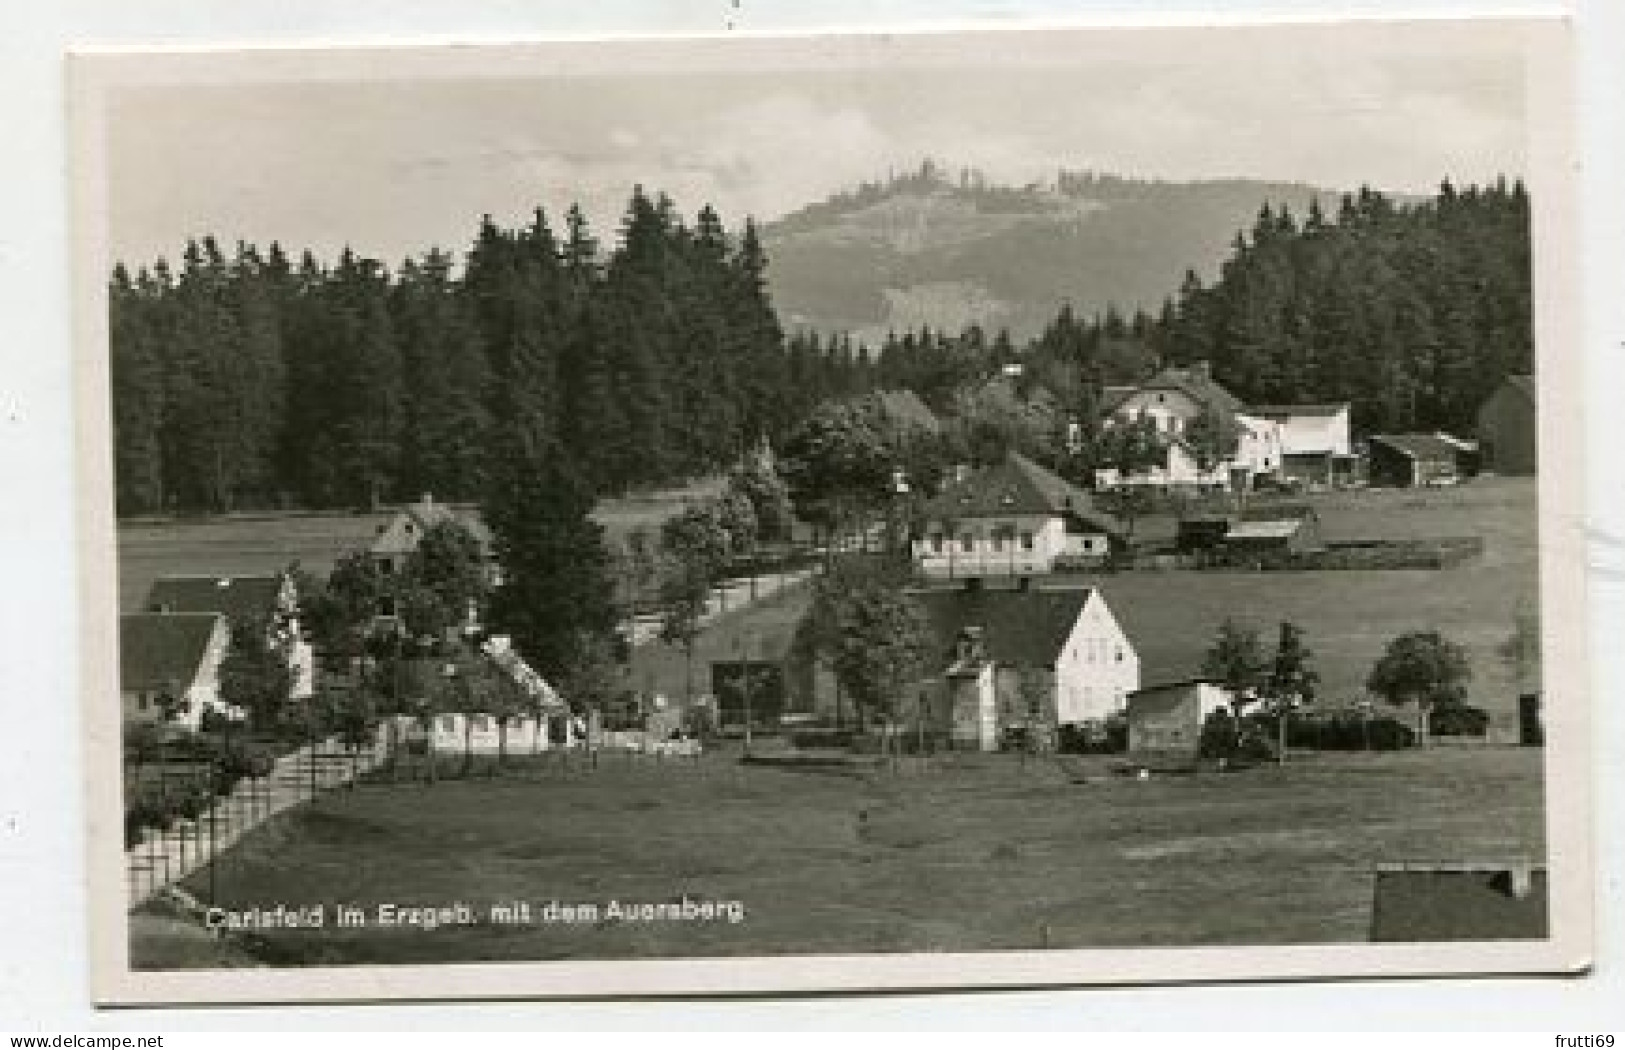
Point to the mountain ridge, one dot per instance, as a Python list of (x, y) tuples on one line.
[(927, 249)]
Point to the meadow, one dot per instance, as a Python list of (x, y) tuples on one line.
[(265, 543), (960, 853), (1348, 616), (1170, 616)]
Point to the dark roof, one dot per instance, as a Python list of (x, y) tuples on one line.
[(1195, 383), (1272, 411), (1024, 628), (1418, 446), (1017, 486), (163, 650), (1456, 903), (239, 598)]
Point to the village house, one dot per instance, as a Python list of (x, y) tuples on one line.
[(1165, 721), (1315, 444), (1026, 659), (1173, 400), (1012, 519), (271, 601), (399, 537), (1508, 428), (171, 661), (1415, 460)]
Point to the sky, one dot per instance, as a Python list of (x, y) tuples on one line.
[(392, 160)]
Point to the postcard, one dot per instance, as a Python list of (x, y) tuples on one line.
[(985, 508)]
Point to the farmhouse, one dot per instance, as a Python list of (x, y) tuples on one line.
[(270, 600), (399, 537), (1165, 721), (1414, 460), (1012, 519), (1173, 400), (171, 660), (1315, 444), (1507, 428), (1025, 659)]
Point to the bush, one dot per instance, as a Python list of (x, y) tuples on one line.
[(1387, 734), (141, 816), (1221, 736), (821, 737), (1458, 720), (1108, 737)]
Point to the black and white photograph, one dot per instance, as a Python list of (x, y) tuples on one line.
[(831, 512)]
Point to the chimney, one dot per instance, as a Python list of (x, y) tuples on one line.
[(428, 499)]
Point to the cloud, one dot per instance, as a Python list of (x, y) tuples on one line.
[(393, 168)]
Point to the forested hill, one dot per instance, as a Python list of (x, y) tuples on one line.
[(946, 250), (253, 380)]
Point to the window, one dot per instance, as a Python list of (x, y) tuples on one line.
[(936, 543), (482, 724), (448, 723), (1119, 655), (966, 544), (1026, 541), (141, 701), (386, 565)]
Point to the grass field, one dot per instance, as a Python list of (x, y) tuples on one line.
[(972, 852), (250, 543), (1348, 616)]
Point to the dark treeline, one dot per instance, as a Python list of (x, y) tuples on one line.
[(254, 381), (1412, 312), (257, 381)]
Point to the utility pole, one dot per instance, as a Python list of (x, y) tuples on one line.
[(746, 676)]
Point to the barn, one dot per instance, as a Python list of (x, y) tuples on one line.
[(1508, 428), (1165, 721), (1413, 460)]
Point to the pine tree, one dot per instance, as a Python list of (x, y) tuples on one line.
[(556, 599)]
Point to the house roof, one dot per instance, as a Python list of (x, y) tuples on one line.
[(163, 650), (239, 598), (1282, 411), (423, 516), (1195, 383), (1017, 486), (904, 406), (1024, 628), (1417, 446), (1456, 903), (1264, 530)]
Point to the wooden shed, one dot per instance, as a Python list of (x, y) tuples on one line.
[(1165, 721), (1508, 428), (1413, 460)]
